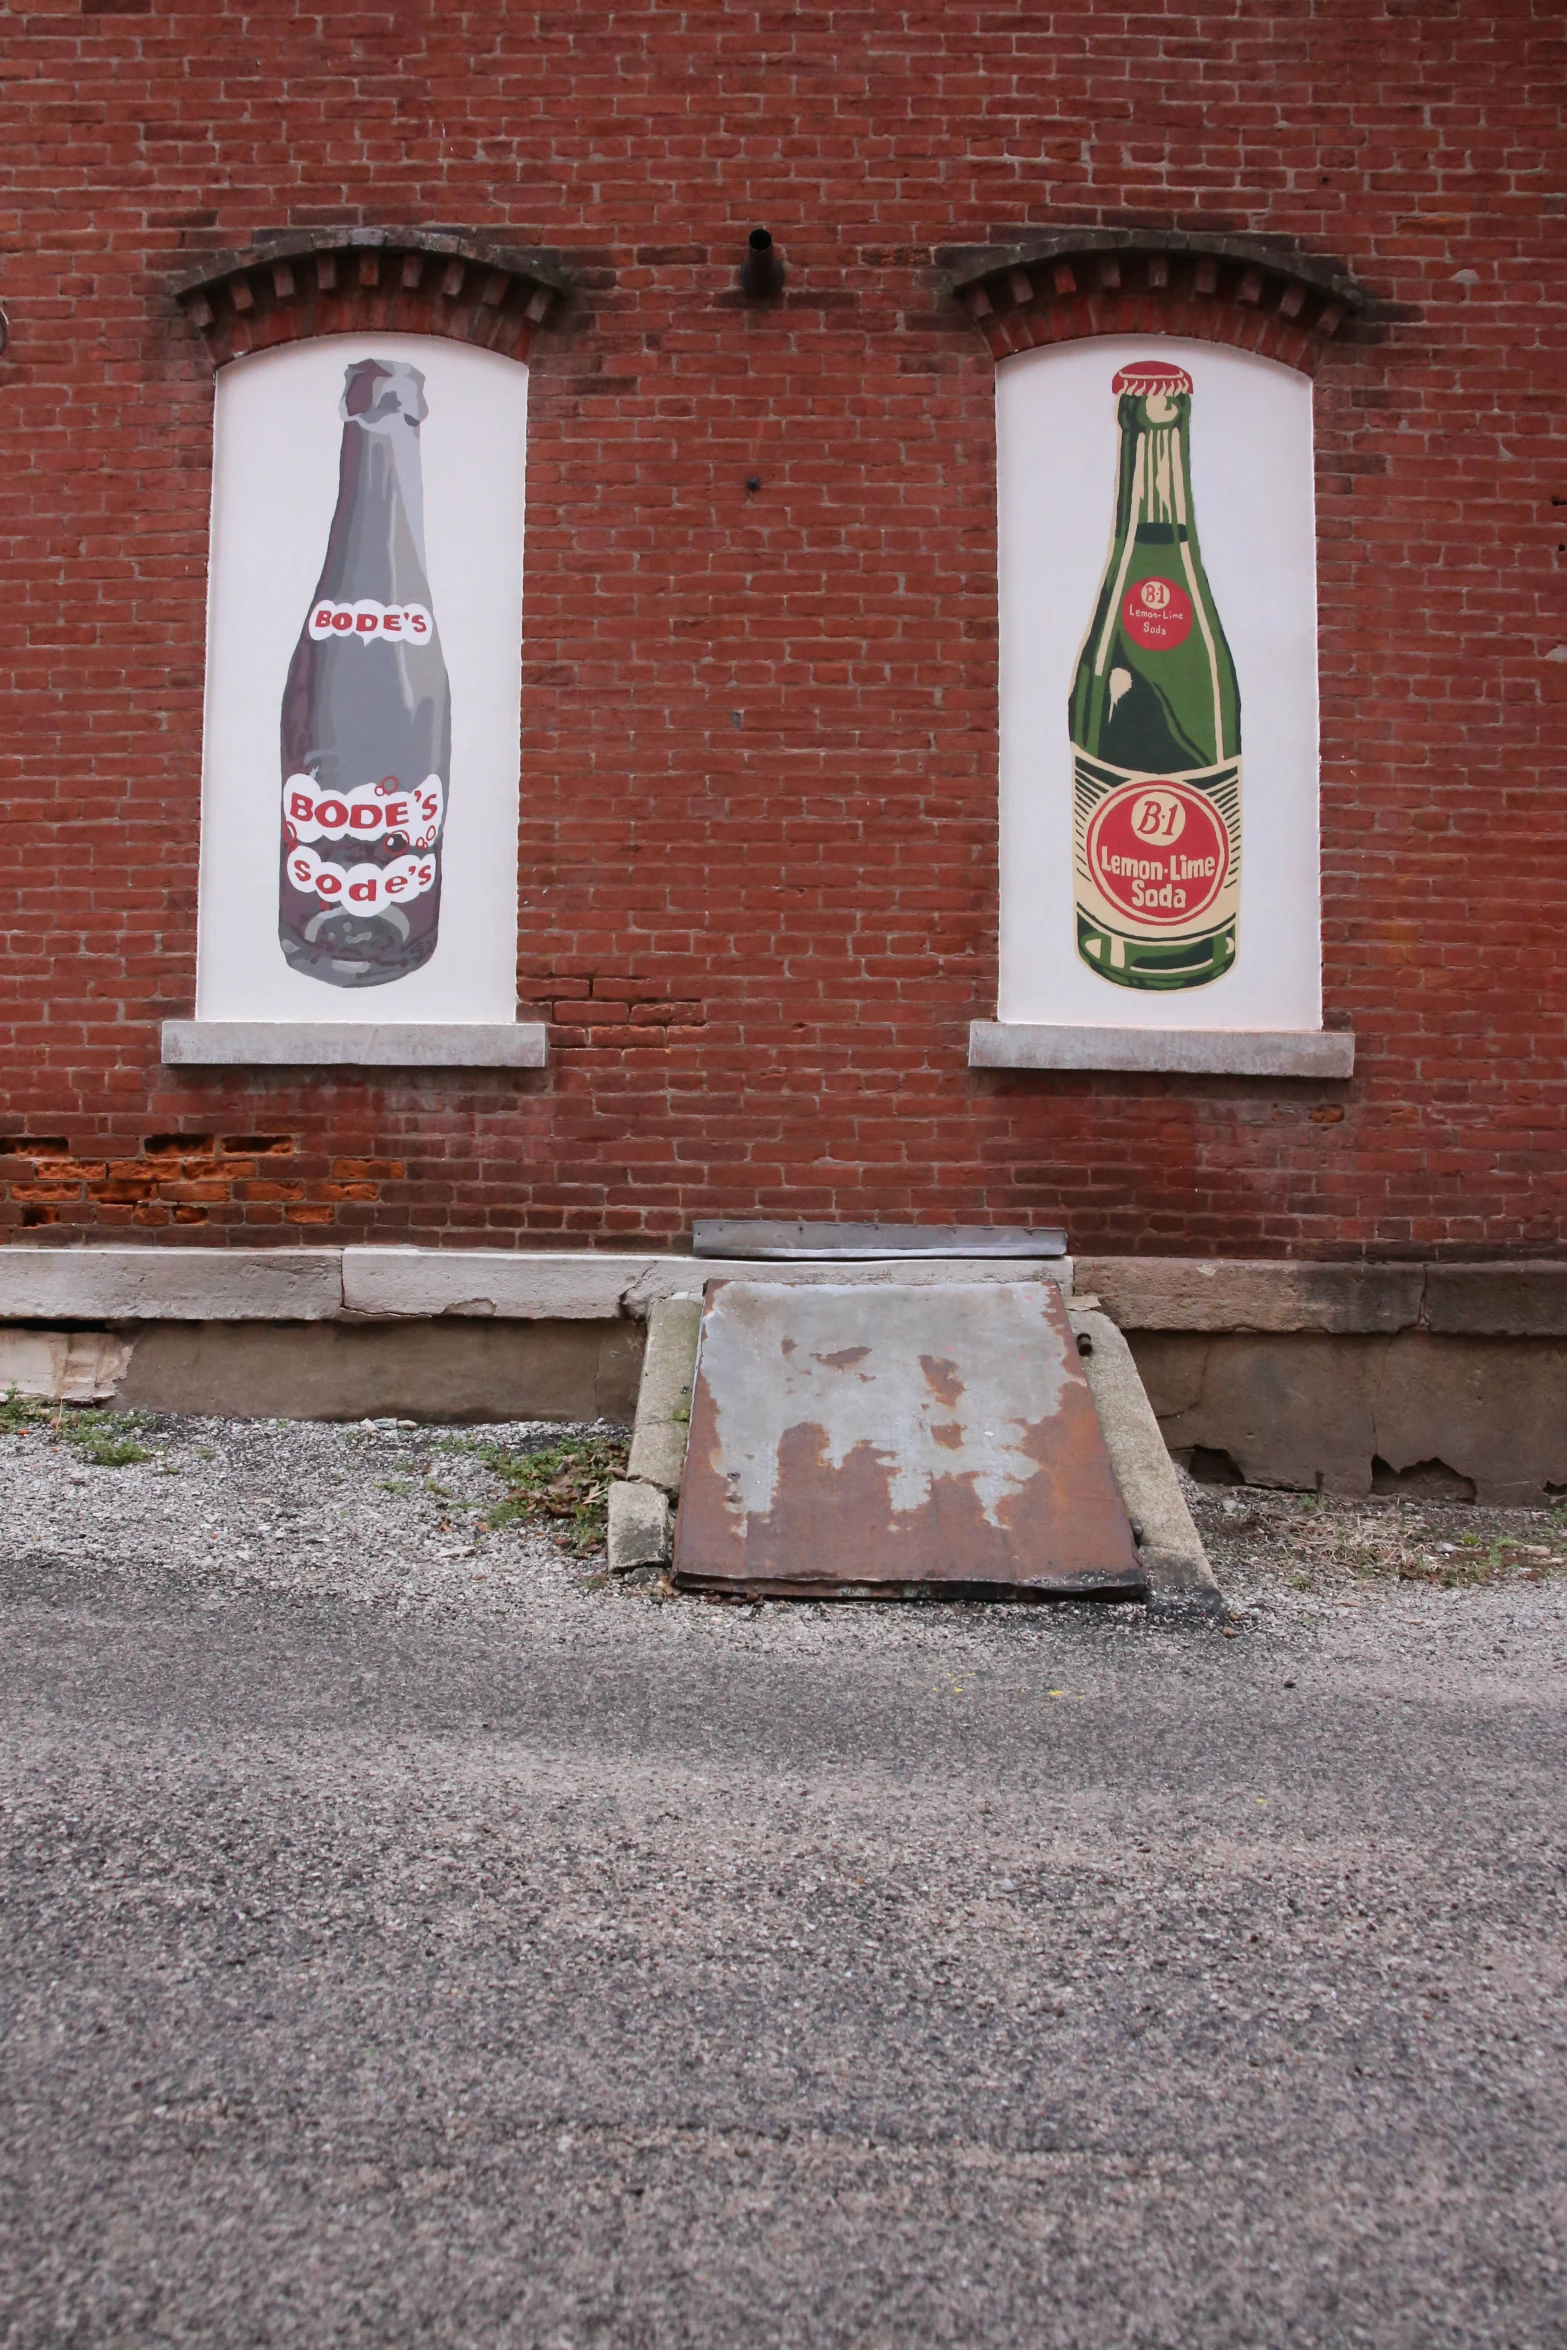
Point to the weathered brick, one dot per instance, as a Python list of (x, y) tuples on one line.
[(757, 848)]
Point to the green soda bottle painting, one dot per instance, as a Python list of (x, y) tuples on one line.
[(1155, 720)]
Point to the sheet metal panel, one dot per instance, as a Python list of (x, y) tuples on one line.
[(859, 1443), (782, 1241)]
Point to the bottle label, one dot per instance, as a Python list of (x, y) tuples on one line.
[(370, 812), (370, 622), (1157, 614), (367, 888), (1157, 855)]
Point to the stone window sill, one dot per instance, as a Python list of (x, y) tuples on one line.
[(350, 1044), (1194, 1052)]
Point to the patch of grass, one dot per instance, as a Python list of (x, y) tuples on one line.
[(18, 1411), (103, 1440), (1331, 1545), (563, 1486), (1473, 1563)]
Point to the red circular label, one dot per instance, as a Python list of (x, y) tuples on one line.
[(1158, 851), (1158, 614)]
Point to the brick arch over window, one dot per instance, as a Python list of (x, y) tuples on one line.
[(1240, 290), (376, 281)]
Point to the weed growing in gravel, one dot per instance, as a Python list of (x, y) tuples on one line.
[(1473, 1562), (1317, 1542), (20, 1411), (565, 1484), (102, 1439)]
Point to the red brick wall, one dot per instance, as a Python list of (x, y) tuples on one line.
[(759, 784)]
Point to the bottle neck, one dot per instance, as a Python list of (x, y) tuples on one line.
[(376, 546), (1153, 474), (392, 449)]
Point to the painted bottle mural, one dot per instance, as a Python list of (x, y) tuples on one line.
[(367, 712), (1155, 718)]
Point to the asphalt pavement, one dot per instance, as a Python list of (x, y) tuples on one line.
[(415, 1939)]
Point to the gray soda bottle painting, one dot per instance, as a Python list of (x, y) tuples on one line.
[(367, 712)]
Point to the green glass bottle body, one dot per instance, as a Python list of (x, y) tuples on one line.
[(1155, 721)]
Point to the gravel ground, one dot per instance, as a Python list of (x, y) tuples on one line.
[(414, 1936)]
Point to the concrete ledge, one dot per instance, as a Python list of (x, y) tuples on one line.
[(641, 1509), (1498, 1301), (641, 1529), (528, 1285), (170, 1284), (1233, 1293), (1519, 1300), (1193, 1052), (663, 1422), (587, 1284), (204, 1284), (355, 1044), (1169, 1545)]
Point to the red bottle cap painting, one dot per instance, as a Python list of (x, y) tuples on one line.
[(1151, 375)]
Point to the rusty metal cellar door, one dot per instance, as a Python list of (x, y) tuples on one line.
[(853, 1442)]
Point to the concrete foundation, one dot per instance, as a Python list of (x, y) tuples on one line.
[(1354, 1378), (1418, 1410), (437, 1370), (66, 1366)]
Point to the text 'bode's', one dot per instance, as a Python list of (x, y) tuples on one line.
[(1155, 718), (367, 712)]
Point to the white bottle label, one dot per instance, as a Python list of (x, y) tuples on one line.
[(368, 622), (370, 812), (375, 814)]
